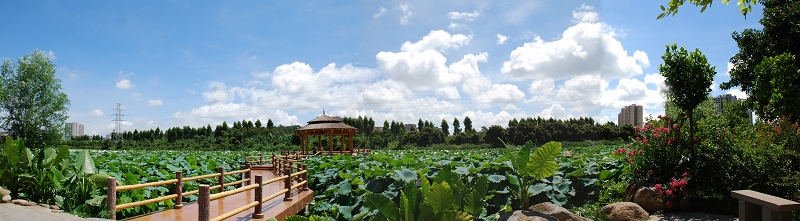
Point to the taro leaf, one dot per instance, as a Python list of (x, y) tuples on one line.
[(542, 163), (557, 198), (406, 175), (454, 216), (12, 151), (56, 177), (392, 190), (296, 218), (477, 195), (172, 168), (462, 170), (374, 186), (606, 174), (407, 210), (425, 186), (446, 175), (496, 178), (588, 181), (576, 173), (96, 200), (84, 163), (346, 211), (440, 197), (513, 180), (539, 188), (592, 168), (520, 161), (344, 188), (383, 204)]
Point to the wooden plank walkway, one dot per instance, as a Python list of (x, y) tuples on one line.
[(274, 208)]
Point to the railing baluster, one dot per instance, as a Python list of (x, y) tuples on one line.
[(221, 180), (247, 174), (257, 214), (178, 190), (112, 198), (288, 183), (204, 203)]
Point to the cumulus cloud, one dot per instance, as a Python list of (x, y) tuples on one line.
[(218, 93), (260, 74), (585, 13), (466, 16), (542, 87), (555, 111), (124, 84), (438, 40), (97, 113), (155, 103), (501, 39), (583, 49), (454, 26), (501, 93), (406, 11), (216, 113), (380, 13), (448, 93), (728, 70)]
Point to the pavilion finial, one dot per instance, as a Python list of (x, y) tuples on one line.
[(323, 111)]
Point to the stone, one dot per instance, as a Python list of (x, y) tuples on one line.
[(26, 203), (54, 207), (18, 201), (524, 215), (646, 196), (44, 205), (558, 212), (625, 211), (6, 198)]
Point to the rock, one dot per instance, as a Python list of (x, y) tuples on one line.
[(685, 205), (18, 201), (646, 196), (556, 211), (26, 203), (54, 207), (44, 205), (625, 211), (6, 198), (524, 215), (57, 211)]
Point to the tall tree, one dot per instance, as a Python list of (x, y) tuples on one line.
[(32, 105), (456, 126), (445, 127), (420, 124), (270, 124), (258, 123), (386, 126), (766, 65), (468, 125), (688, 76)]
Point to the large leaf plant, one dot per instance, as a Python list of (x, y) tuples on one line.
[(529, 166)]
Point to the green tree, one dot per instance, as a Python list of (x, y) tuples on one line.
[(766, 65), (32, 104), (258, 123), (386, 126), (468, 125), (270, 124), (746, 6), (420, 124), (456, 126), (688, 76), (445, 127), (493, 135)]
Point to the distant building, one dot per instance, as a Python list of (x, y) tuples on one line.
[(631, 114), (73, 129), (719, 101), (377, 128), (409, 126)]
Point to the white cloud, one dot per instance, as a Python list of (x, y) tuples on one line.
[(406, 10), (50, 54), (542, 87), (124, 84), (466, 16), (260, 74), (455, 26), (216, 113), (728, 70), (97, 113), (438, 40), (218, 93), (501, 39), (584, 49), (555, 111), (155, 103), (136, 95), (641, 57), (518, 12), (738, 93), (448, 93), (380, 13), (501, 93), (585, 13)]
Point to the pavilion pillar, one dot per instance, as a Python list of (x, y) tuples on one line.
[(351, 141), (341, 138), (319, 142)]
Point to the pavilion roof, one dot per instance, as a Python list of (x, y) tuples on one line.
[(325, 123)]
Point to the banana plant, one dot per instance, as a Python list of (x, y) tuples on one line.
[(529, 166)]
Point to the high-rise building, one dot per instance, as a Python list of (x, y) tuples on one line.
[(76, 129), (719, 101), (631, 114)]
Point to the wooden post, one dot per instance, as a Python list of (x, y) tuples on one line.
[(350, 136), (288, 183), (273, 161), (178, 190), (305, 177), (258, 214), (330, 142), (221, 180), (247, 174), (112, 198), (260, 159), (342, 141), (204, 203)]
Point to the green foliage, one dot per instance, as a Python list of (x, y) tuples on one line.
[(530, 166), (746, 6), (689, 77), (34, 107)]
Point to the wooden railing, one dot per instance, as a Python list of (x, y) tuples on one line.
[(179, 194), (301, 185)]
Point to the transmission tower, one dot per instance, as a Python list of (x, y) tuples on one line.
[(118, 123)]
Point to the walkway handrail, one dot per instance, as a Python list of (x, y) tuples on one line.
[(179, 194), (206, 198)]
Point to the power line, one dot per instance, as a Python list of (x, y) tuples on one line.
[(118, 123)]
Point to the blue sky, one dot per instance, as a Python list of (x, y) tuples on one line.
[(177, 63)]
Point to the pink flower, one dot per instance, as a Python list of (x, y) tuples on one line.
[(669, 192), (658, 185), (650, 171), (630, 160), (670, 141), (669, 204), (685, 174), (631, 153)]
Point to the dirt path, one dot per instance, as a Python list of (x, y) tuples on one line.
[(691, 217), (10, 211)]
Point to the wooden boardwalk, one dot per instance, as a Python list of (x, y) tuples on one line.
[(274, 208)]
